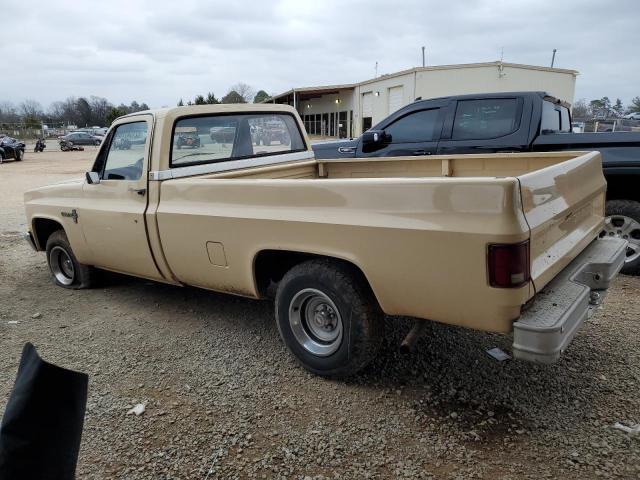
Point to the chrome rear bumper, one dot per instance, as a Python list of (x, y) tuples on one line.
[(544, 330)]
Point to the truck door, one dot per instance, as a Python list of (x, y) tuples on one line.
[(486, 125), (410, 133), (113, 210)]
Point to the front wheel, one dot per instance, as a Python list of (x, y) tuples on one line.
[(19, 154), (623, 221), (328, 317), (67, 271)]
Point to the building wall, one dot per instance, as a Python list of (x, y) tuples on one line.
[(487, 79), (432, 82), (327, 104)]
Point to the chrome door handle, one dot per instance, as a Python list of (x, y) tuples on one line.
[(420, 152)]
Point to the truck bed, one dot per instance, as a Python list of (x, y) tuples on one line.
[(399, 220), (489, 165)]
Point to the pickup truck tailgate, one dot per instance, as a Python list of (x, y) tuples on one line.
[(564, 206)]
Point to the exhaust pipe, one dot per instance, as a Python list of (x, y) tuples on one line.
[(412, 337)]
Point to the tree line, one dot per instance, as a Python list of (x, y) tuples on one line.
[(79, 111), (604, 107), (98, 111), (239, 93)]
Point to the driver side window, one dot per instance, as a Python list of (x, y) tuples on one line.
[(125, 158)]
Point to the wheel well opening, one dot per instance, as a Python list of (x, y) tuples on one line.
[(42, 230), (271, 265), (622, 187)]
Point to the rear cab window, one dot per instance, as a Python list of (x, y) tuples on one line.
[(555, 118), (219, 138), (486, 118)]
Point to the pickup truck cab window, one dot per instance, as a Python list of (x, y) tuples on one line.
[(486, 118), (220, 138), (417, 126), (126, 152), (555, 118)]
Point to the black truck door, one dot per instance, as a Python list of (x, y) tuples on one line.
[(411, 131), (486, 125)]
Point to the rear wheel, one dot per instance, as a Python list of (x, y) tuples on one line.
[(623, 221), (328, 317), (66, 270)]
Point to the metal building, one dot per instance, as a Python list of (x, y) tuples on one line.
[(347, 110)]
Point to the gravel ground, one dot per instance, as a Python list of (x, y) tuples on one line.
[(224, 399)]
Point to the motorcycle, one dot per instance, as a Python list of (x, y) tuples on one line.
[(40, 146)]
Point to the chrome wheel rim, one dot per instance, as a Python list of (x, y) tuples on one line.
[(315, 322), (621, 226), (62, 266)]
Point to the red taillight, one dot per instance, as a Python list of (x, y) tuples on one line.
[(508, 265)]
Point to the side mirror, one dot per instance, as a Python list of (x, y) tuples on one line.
[(374, 139), (92, 177)]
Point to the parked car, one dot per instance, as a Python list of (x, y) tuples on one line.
[(11, 149), (188, 139), (97, 131), (508, 122), (80, 138), (495, 242), (272, 131), (632, 116), (224, 132), (577, 127), (121, 144)]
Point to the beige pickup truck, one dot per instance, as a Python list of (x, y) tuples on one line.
[(501, 242)]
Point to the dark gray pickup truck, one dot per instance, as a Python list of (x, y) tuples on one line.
[(508, 122)]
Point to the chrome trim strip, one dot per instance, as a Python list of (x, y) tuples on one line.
[(180, 172)]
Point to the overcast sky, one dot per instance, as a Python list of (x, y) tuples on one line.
[(159, 51)]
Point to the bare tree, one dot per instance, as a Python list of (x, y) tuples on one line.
[(244, 90), (100, 107), (233, 97), (31, 109), (8, 113), (580, 109), (56, 111)]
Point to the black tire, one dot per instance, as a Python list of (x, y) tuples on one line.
[(19, 155), (631, 210), (82, 276), (362, 320)]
